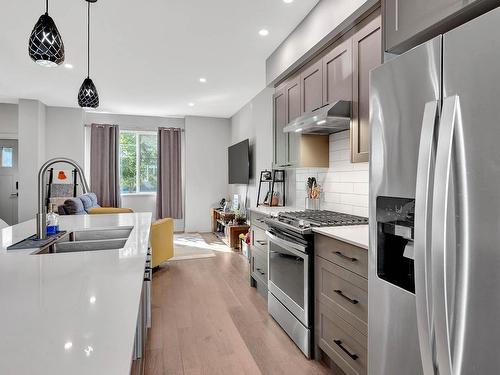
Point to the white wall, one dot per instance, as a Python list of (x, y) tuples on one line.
[(9, 120), (345, 184), (324, 22), (31, 154), (139, 202), (64, 134), (207, 140), (255, 122)]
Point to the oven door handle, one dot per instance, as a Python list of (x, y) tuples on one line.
[(294, 248)]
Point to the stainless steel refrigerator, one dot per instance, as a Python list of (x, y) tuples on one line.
[(434, 266)]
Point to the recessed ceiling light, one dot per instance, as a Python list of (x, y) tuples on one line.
[(203, 80), (92, 299), (263, 32), (68, 345), (68, 66), (288, 1), (191, 104)]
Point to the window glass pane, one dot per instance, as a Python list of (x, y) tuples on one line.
[(128, 161), (7, 157), (148, 159)]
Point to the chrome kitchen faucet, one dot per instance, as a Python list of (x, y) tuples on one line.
[(41, 216)]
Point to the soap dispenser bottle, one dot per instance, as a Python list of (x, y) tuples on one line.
[(52, 222)]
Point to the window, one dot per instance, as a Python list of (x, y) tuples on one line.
[(138, 157), (7, 157)]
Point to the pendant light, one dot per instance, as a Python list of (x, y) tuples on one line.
[(46, 46), (87, 96)]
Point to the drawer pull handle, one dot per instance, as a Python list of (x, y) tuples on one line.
[(339, 254), (260, 271), (340, 293), (261, 242), (339, 343)]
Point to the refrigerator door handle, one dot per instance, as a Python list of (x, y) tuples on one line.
[(450, 134), (422, 255)]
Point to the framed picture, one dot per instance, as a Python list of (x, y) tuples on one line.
[(236, 201)]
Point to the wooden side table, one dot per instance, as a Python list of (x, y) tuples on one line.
[(223, 227), (233, 232)]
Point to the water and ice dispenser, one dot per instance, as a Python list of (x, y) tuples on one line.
[(395, 233)]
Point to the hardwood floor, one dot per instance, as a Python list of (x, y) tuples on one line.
[(207, 320)]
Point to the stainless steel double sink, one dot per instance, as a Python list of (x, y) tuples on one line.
[(88, 240)]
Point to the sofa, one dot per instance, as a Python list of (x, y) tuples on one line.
[(87, 204)]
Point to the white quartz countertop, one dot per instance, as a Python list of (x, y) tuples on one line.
[(71, 313), (274, 210), (356, 235)]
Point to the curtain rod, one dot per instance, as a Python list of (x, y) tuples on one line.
[(137, 129)]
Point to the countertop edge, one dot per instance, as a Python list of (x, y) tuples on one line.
[(337, 233)]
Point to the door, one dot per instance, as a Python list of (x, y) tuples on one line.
[(367, 54), (399, 92), (337, 73), (312, 87), (280, 121), (467, 196), (292, 90), (8, 181)]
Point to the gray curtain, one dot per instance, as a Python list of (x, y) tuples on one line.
[(105, 164), (169, 191)]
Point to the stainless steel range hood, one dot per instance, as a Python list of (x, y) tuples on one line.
[(331, 118)]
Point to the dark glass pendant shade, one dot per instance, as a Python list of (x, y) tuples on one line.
[(46, 46), (87, 96)]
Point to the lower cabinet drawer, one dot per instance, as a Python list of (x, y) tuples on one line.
[(259, 267), (259, 238), (343, 291), (345, 345)]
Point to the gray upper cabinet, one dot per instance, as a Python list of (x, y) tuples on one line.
[(366, 55), (292, 90), (311, 80), (337, 73), (280, 121), (408, 23)]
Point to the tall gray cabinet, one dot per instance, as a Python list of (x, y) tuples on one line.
[(408, 23)]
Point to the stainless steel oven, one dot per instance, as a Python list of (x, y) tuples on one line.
[(290, 285)]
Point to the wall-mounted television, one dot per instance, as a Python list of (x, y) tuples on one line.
[(239, 163)]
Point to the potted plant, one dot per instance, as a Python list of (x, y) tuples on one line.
[(239, 217)]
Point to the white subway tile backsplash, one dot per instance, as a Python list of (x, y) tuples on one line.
[(340, 155), (345, 185), (355, 200), (360, 211)]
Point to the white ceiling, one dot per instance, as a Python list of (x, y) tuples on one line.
[(147, 56)]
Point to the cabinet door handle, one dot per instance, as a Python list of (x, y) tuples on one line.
[(352, 355), (340, 293), (339, 254), (260, 271), (261, 242)]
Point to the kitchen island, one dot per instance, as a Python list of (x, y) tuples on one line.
[(71, 313)]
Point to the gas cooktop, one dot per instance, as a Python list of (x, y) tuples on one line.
[(303, 221)]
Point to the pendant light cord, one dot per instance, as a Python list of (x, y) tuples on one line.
[(88, 40), (46, 6)]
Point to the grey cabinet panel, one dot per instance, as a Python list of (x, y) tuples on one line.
[(280, 121), (293, 93), (312, 87), (367, 54), (337, 73), (408, 23)]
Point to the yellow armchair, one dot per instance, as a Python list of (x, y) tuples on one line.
[(109, 210), (162, 241)]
